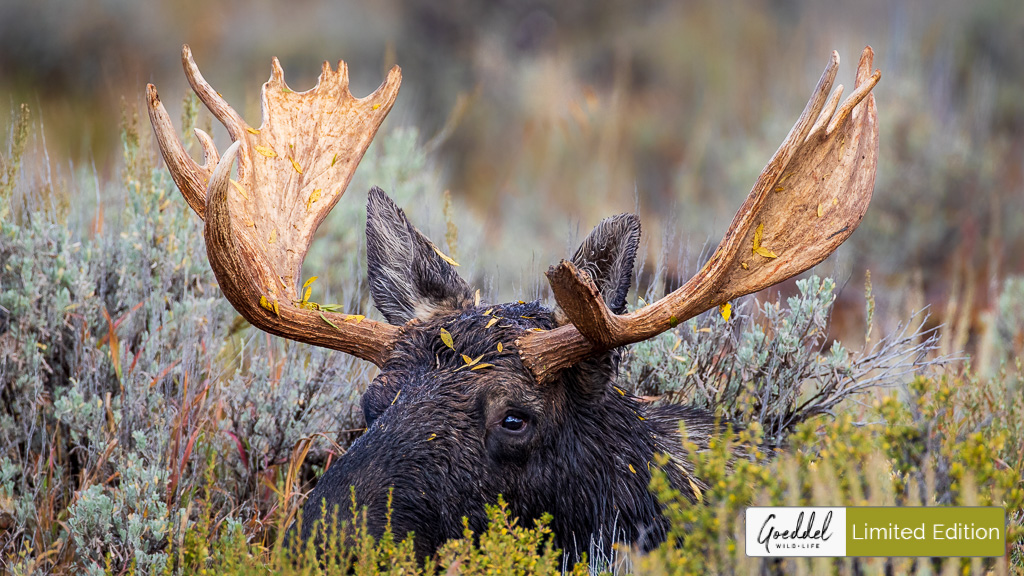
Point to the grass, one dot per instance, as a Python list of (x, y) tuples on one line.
[(146, 429)]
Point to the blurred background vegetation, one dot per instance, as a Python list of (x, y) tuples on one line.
[(124, 372), (543, 116)]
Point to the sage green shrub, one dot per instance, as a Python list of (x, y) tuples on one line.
[(146, 429)]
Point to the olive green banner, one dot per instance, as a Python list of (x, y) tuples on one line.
[(925, 531)]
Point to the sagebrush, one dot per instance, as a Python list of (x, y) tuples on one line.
[(146, 429)]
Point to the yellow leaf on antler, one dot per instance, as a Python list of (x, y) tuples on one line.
[(269, 305), (239, 188), (313, 197), (268, 152), (758, 248)]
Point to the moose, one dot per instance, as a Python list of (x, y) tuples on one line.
[(475, 400)]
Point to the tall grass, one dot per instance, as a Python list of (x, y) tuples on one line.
[(146, 429)]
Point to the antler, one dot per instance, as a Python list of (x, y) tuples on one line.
[(806, 202), (291, 173)]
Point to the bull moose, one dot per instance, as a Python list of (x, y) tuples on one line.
[(476, 400)]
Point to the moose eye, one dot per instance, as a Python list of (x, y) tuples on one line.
[(513, 423)]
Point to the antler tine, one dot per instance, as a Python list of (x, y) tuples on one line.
[(291, 172), (190, 177), (808, 199), (209, 148), (865, 83), (826, 113), (215, 102)]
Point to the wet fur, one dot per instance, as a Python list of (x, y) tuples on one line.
[(434, 439)]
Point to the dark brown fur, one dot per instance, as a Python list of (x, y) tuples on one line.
[(438, 439)]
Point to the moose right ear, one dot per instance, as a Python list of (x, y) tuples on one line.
[(607, 255), (409, 278)]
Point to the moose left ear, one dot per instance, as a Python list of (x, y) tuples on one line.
[(408, 276), (607, 255)]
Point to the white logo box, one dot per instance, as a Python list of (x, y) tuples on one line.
[(782, 532)]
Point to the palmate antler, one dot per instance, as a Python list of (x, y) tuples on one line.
[(291, 172), (294, 168), (807, 201)]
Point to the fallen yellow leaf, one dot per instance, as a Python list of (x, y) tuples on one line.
[(758, 249), (446, 337), (313, 197), (239, 188), (696, 490), (270, 305), (324, 318), (444, 256)]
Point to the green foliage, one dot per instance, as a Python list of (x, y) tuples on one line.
[(146, 429), (123, 369), (917, 453), (1010, 320), (773, 366), (10, 165), (896, 460), (506, 547)]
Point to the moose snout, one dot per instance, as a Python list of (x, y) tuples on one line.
[(408, 482)]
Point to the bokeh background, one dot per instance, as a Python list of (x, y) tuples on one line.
[(541, 117), (144, 425)]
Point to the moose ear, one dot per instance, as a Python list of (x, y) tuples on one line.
[(607, 255), (408, 276)]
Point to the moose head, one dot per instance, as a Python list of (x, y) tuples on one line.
[(474, 400)]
